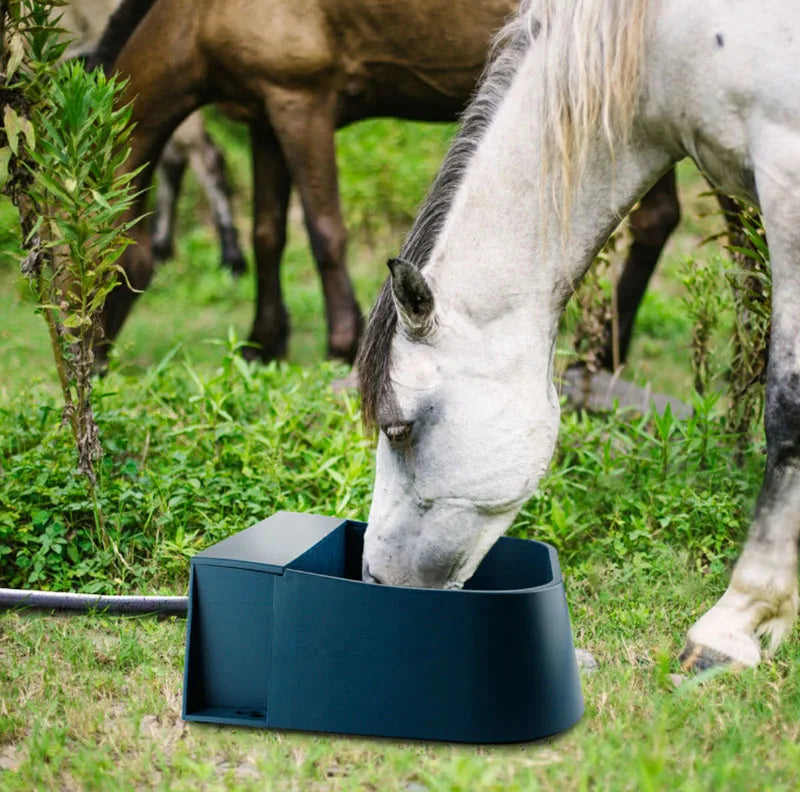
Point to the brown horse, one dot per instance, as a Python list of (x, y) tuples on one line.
[(298, 70)]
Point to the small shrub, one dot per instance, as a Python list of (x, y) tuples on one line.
[(64, 142), (751, 286), (705, 302)]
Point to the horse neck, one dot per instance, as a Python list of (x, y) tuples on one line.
[(503, 253)]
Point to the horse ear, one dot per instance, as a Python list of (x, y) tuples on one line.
[(412, 297)]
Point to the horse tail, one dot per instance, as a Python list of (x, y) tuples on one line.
[(120, 27), (590, 82)]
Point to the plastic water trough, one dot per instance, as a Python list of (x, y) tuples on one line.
[(282, 634)]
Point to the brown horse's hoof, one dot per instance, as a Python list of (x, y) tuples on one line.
[(162, 250), (268, 340), (345, 354), (261, 353), (343, 346), (696, 657), (344, 333), (343, 343), (234, 261)]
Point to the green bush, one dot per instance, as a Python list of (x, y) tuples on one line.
[(190, 458), (64, 143), (194, 454)]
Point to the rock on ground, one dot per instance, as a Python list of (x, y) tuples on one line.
[(598, 392), (586, 661)]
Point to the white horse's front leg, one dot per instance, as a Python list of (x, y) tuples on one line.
[(761, 600)]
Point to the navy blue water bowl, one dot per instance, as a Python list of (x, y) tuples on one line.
[(282, 634)]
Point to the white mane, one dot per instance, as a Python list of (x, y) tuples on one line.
[(593, 54)]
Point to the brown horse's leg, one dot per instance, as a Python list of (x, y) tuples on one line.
[(208, 164), (271, 184), (303, 123), (163, 90), (171, 169), (651, 224)]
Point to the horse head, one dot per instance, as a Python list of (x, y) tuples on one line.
[(462, 443)]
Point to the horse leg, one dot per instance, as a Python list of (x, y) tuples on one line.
[(651, 224), (303, 123), (271, 185), (208, 164), (762, 598), (171, 168), (163, 91)]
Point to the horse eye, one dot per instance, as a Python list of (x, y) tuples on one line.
[(399, 433)]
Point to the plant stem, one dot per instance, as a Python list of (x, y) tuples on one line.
[(61, 368)]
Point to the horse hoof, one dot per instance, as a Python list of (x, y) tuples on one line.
[(696, 657), (161, 250), (252, 354), (264, 353), (344, 346), (343, 354), (235, 262)]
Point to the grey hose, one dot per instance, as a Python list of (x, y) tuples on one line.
[(59, 600)]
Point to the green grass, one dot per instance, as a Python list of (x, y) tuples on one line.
[(94, 703), (647, 515)]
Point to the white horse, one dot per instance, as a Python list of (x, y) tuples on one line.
[(584, 105)]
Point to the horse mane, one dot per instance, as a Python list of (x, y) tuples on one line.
[(372, 363), (592, 61), (119, 28), (590, 84)]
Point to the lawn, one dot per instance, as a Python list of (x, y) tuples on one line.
[(646, 512)]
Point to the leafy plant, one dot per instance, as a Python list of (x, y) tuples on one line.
[(65, 142), (705, 302), (751, 285), (595, 305)]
